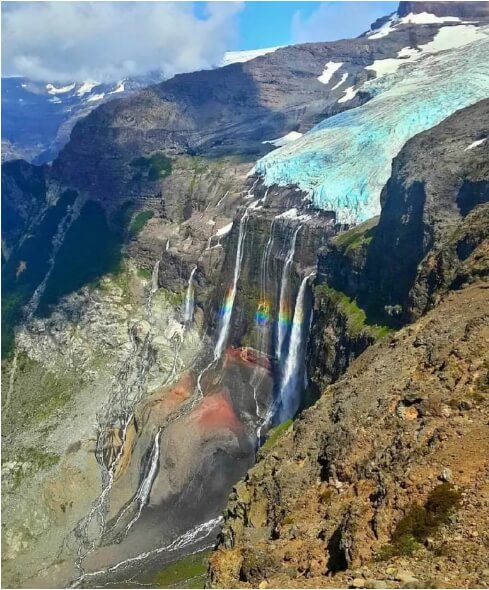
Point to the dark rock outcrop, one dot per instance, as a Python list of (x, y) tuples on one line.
[(461, 9)]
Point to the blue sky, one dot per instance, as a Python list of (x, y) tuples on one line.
[(266, 24), (81, 40)]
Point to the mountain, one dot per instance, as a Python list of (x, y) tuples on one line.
[(37, 117), (192, 299)]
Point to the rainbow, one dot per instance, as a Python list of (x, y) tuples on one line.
[(227, 304), (285, 315), (262, 315)]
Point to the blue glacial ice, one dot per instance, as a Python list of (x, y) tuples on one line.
[(344, 161)]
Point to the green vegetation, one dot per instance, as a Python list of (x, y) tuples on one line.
[(90, 250), (139, 221), (274, 435), (29, 461), (39, 394), (357, 237), (189, 572), (27, 267), (155, 167), (174, 299), (358, 320), (422, 522), (144, 274)]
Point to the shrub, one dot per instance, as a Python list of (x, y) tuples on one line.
[(139, 221), (422, 521)]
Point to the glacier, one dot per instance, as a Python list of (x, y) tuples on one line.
[(344, 161)]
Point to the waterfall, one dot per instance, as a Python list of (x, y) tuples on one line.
[(152, 290), (228, 303), (154, 277), (188, 313), (292, 380), (167, 247), (263, 311), (284, 313)]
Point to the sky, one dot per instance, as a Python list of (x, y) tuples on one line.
[(106, 41)]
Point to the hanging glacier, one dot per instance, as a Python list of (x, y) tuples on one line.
[(344, 161)]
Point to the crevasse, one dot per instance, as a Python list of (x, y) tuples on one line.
[(344, 162)]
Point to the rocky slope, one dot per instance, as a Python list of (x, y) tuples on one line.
[(366, 488), (334, 502)]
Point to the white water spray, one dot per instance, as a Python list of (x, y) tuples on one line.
[(188, 313), (291, 384), (154, 278)]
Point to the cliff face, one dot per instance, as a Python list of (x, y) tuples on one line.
[(437, 179), (348, 495)]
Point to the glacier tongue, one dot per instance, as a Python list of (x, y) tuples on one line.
[(344, 161)]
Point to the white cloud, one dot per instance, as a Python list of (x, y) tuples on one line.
[(337, 20), (105, 41)]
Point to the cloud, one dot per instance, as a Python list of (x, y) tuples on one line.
[(106, 41), (337, 20)]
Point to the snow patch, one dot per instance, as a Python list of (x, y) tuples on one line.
[(53, 90), (232, 57), (422, 18), (384, 30), (95, 97), (86, 87), (474, 144), (426, 18), (293, 214), (350, 93), (285, 139), (446, 38), (329, 69), (118, 88), (224, 230), (342, 81)]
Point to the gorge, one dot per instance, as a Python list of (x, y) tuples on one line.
[(184, 304)]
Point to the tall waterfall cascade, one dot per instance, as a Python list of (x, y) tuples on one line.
[(294, 369), (284, 312), (188, 312), (228, 303)]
